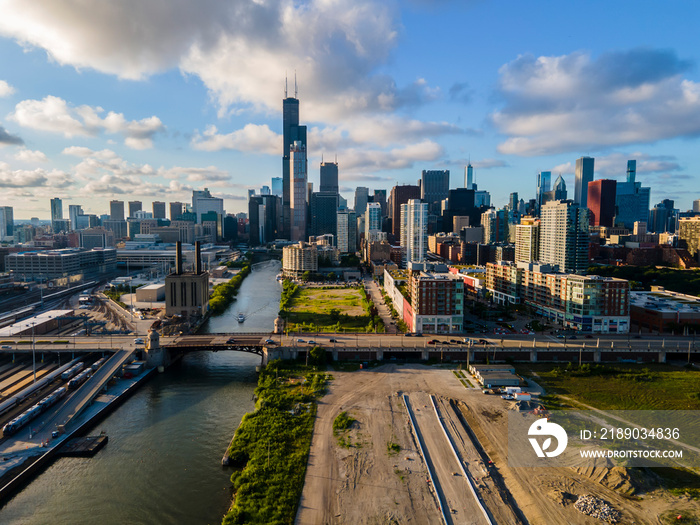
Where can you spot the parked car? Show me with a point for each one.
(300, 341)
(269, 342)
(138, 341)
(230, 341)
(311, 342)
(408, 334)
(332, 340)
(432, 341)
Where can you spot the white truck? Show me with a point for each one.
(512, 389)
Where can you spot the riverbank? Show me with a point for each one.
(271, 446)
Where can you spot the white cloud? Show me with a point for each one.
(239, 49)
(53, 114)
(5, 89)
(252, 138)
(574, 102)
(29, 156)
(614, 165)
(360, 161)
(13, 179)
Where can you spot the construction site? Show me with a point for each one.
(426, 445)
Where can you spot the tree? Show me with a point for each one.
(306, 276)
(317, 356)
(334, 314)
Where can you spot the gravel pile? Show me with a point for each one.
(597, 508)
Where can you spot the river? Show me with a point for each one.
(162, 464)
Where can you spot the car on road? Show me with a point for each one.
(311, 342)
(589, 336)
(138, 341)
(454, 341)
(269, 342)
(6, 347)
(300, 341)
(573, 337)
(433, 341)
(332, 340)
(408, 334)
(230, 341)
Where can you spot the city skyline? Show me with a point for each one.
(89, 116)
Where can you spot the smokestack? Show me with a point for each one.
(178, 258)
(198, 257)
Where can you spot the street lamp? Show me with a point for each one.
(33, 353)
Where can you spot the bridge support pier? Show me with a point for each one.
(156, 356)
(380, 354)
(425, 355)
(597, 356)
(662, 356)
(533, 355)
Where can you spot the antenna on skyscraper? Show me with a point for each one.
(285, 84)
(336, 158)
(321, 158)
(295, 83)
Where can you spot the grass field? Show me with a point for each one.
(311, 310)
(621, 387)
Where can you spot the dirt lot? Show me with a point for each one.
(354, 478)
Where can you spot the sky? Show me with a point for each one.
(147, 100)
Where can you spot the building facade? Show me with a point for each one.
(583, 176)
(299, 258)
(564, 236)
(414, 231)
(587, 303)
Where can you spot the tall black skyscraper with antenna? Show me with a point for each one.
(291, 132)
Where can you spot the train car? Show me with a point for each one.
(72, 371)
(33, 411)
(79, 379)
(97, 364)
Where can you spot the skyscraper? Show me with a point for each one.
(56, 209)
(469, 177)
(134, 206)
(544, 179)
(176, 209)
(329, 177)
(400, 195)
(116, 210)
(435, 184)
(361, 199)
(276, 186)
(347, 230)
(559, 189)
(696, 205)
(297, 204)
(74, 211)
(495, 223)
(631, 200)
(324, 210)
(564, 236)
(414, 231)
(7, 223)
(292, 133)
(158, 210)
(601, 202)
(527, 240)
(380, 198)
(373, 221)
(584, 175)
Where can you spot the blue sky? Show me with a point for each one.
(123, 100)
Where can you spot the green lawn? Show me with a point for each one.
(621, 386)
(312, 309)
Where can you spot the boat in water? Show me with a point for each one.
(241, 318)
